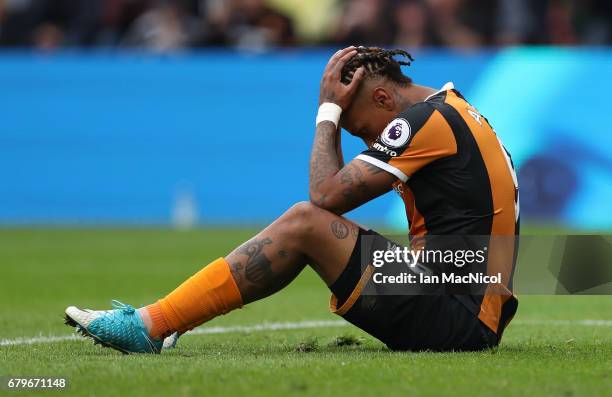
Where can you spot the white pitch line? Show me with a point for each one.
(199, 331)
(37, 339)
(585, 323)
(312, 324)
(269, 327)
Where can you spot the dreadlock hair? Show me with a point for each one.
(378, 62)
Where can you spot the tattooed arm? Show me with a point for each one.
(333, 186)
(324, 161)
(327, 151)
(340, 191)
(337, 189)
(339, 149)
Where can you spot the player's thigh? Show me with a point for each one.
(325, 238)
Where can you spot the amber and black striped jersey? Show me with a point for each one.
(455, 178)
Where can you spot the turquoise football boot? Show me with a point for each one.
(121, 328)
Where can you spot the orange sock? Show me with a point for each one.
(207, 294)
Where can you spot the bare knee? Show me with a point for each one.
(304, 211)
(301, 218)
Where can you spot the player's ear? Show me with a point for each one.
(383, 99)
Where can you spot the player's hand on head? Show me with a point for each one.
(332, 88)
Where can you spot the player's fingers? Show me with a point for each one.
(337, 70)
(357, 78)
(342, 52)
(337, 56)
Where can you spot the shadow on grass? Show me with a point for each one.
(343, 344)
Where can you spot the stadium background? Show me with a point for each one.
(201, 112)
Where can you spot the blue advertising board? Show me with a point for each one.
(223, 138)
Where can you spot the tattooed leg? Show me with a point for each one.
(305, 234)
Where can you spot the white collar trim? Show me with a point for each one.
(447, 86)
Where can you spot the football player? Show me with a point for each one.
(435, 149)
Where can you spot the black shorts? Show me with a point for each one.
(438, 322)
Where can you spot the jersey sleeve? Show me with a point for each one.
(417, 137)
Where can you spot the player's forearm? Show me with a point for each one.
(324, 161)
(339, 149)
(355, 184)
(334, 96)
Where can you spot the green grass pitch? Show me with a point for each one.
(547, 350)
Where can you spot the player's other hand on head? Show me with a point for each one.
(332, 88)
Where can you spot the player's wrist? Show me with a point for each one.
(329, 112)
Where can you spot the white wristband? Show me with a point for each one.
(329, 112)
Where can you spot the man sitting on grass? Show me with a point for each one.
(433, 148)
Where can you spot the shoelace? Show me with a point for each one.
(130, 310)
(125, 308)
